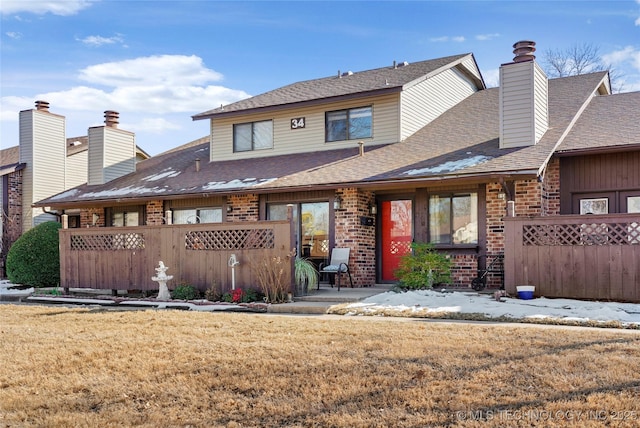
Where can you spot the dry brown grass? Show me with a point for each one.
(74, 367)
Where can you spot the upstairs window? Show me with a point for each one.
(253, 136)
(350, 124)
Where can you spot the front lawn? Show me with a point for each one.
(157, 368)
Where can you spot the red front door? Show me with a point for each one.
(396, 235)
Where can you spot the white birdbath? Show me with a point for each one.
(161, 278)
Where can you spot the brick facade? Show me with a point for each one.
(14, 214)
(155, 213)
(361, 239)
(551, 188)
(243, 208)
(86, 217)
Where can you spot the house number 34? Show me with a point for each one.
(297, 123)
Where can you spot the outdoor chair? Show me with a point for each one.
(339, 264)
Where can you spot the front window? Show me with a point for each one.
(197, 215)
(311, 221)
(253, 136)
(350, 124)
(126, 216)
(453, 219)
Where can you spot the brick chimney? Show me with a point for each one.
(43, 150)
(524, 102)
(112, 151)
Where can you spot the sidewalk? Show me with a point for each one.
(318, 301)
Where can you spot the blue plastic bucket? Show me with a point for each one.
(525, 292)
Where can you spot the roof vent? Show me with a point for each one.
(403, 63)
(42, 105)
(523, 51)
(347, 73)
(111, 118)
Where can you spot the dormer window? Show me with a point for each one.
(350, 124)
(253, 136)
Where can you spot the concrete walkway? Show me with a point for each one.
(318, 301)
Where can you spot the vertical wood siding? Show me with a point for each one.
(312, 137)
(567, 261)
(428, 99)
(613, 172)
(89, 258)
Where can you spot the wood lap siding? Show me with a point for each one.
(125, 258)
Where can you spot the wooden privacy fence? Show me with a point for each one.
(584, 257)
(125, 258)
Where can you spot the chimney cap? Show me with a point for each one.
(111, 118)
(523, 51)
(42, 105)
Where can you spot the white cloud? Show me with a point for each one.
(99, 40)
(41, 7)
(157, 125)
(169, 70)
(447, 39)
(14, 35)
(627, 55)
(491, 77)
(486, 37)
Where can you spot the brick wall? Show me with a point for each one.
(551, 188)
(14, 214)
(86, 217)
(244, 208)
(361, 239)
(528, 200)
(155, 213)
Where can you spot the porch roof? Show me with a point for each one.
(462, 144)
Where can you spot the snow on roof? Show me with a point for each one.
(165, 173)
(450, 166)
(236, 184)
(125, 191)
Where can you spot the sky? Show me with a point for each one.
(159, 62)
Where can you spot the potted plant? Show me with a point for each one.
(306, 275)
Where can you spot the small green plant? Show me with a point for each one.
(240, 295)
(422, 268)
(306, 275)
(185, 291)
(34, 259)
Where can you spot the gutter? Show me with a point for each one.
(384, 184)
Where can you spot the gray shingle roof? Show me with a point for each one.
(608, 121)
(462, 142)
(376, 80)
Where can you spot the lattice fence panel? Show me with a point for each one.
(230, 239)
(108, 242)
(400, 247)
(581, 234)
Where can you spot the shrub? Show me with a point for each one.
(34, 259)
(423, 267)
(185, 292)
(270, 273)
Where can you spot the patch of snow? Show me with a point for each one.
(167, 173)
(236, 184)
(125, 191)
(66, 194)
(431, 301)
(450, 166)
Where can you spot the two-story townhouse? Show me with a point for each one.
(370, 160)
(45, 163)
